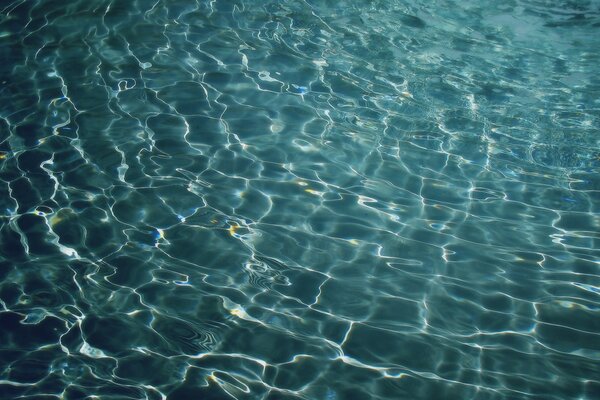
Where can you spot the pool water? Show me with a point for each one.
(237, 199)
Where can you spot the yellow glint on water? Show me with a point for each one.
(238, 312)
(233, 229)
(60, 216)
(55, 219)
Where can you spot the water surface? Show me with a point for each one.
(299, 199)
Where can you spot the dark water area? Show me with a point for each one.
(299, 199)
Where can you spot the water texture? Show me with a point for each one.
(236, 199)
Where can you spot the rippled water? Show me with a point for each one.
(299, 199)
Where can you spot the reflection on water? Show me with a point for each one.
(299, 200)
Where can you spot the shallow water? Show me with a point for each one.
(299, 199)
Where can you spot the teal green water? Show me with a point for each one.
(299, 199)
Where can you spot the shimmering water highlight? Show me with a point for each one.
(299, 199)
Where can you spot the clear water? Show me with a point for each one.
(299, 199)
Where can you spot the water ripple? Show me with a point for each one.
(299, 200)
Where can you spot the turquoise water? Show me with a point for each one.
(299, 199)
